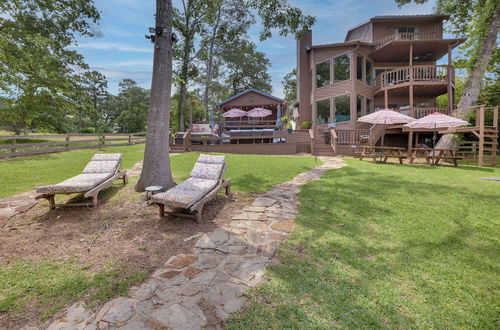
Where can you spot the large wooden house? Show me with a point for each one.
(386, 62)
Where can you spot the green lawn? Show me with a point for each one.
(249, 173)
(387, 246)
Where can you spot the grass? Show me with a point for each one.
(54, 284)
(387, 246)
(249, 173)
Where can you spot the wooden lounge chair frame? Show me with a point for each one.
(195, 210)
(92, 193)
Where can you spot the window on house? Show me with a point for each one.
(406, 29)
(407, 33)
(342, 68)
(359, 67)
(323, 111)
(343, 108)
(369, 72)
(360, 106)
(323, 74)
(369, 106)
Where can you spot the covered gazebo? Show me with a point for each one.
(251, 99)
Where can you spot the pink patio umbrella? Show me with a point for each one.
(386, 117)
(436, 121)
(234, 113)
(259, 113)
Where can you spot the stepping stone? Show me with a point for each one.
(244, 268)
(169, 295)
(116, 311)
(144, 291)
(180, 261)
(212, 239)
(283, 225)
(75, 316)
(247, 216)
(256, 209)
(209, 259)
(204, 278)
(263, 201)
(234, 246)
(178, 317)
(225, 294)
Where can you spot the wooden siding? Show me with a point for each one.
(332, 90)
(304, 84)
(258, 149)
(381, 30)
(249, 99)
(322, 54)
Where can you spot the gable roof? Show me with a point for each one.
(248, 91)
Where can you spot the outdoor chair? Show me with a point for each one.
(207, 178)
(99, 174)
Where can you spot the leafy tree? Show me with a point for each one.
(478, 20)
(156, 168)
(247, 68)
(95, 85)
(132, 104)
(39, 75)
(289, 83)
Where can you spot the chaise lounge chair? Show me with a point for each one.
(207, 178)
(99, 174)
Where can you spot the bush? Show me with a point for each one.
(284, 120)
(306, 125)
(88, 130)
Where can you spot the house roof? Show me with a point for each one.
(427, 17)
(343, 44)
(248, 91)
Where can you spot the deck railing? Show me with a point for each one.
(237, 124)
(419, 112)
(406, 36)
(438, 73)
(351, 136)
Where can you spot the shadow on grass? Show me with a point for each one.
(380, 250)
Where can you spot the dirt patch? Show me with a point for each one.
(121, 230)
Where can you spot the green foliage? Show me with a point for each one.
(289, 83)
(132, 104)
(306, 124)
(39, 75)
(386, 246)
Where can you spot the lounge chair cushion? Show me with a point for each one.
(207, 171)
(185, 194)
(107, 157)
(101, 166)
(211, 159)
(79, 183)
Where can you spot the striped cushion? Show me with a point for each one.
(79, 183)
(185, 194)
(107, 157)
(101, 166)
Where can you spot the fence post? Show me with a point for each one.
(130, 139)
(67, 139)
(474, 145)
(102, 141)
(13, 149)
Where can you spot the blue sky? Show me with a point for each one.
(119, 49)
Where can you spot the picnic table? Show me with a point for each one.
(383, 152)
(433, 156)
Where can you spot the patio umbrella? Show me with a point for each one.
(436, 121)
(234, 113)
(259, 113)
(386, 117)
(278, 117)
(212, 120)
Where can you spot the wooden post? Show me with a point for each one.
(410, 141)
(130, 139)
(13, 149)
(386, 99)
(411, 102)
(481, 136)
(102, 139)
(416, 139)
(67, 139)
(449, 87)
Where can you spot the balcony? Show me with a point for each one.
(431, 79)
(406, 36)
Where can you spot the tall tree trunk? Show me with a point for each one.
(208, 78)
(472, 88)
(184, 76)
(156, 167)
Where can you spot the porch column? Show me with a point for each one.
(410, 140)
(386, 99)
(450, 81)
(411, 78)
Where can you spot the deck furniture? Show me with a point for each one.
(449, 154)
(422, 152)
(99, 174)
(383, 153)
(207, 178)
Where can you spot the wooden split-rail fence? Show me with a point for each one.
(25, 145)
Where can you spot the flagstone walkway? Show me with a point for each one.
(201, 288)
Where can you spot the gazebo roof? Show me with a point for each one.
(249, 91)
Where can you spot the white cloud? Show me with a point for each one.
(133, 63)
(115, 47)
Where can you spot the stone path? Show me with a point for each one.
(199, 289)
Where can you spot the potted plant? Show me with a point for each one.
(289, 128)
(306, 125)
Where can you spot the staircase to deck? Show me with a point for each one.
(321, 141)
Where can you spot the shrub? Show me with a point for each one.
(284, 120)
(306, 124)
(88, 130)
